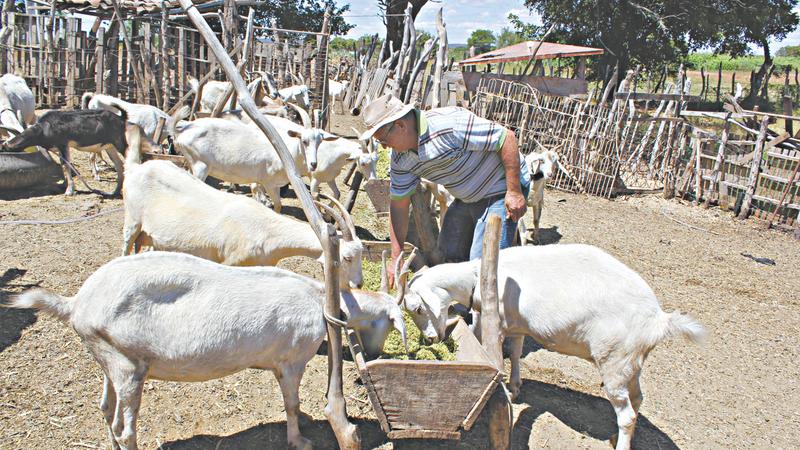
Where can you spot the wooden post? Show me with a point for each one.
(346, 432)
(716, 176)
(72, 24)
(719, 80)
(223, 100)
(129, 48)
(181, 63)
(788, 109)
(698, 172)
(755, 170)
(100, 59)
(321, 69)
(499, 407)
(426, 226)
(350, 201)
(441, 60)
(165, 84)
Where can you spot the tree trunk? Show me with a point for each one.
(394, 21)
(760, 77)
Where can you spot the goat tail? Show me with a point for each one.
(133, 156)
(86, 98)
(44, 300)
(673, 324)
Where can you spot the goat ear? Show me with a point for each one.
(329, 137)
(293, 134)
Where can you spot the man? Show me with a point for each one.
(475, 159)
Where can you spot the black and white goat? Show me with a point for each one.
(86, 130)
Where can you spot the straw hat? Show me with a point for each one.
(383, 110)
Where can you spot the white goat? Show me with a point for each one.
(572, 299)
(214, 90)
(226, 228)
(240, 153)
(540, 167)
(337, 89)
(17, 105)
(333, 155)
(170, 316)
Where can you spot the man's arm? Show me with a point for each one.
(398, 229)
(515, 201)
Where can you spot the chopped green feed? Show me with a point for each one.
(382, 166)
(417, 350)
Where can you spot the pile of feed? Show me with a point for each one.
(393, 346)
(417, 350)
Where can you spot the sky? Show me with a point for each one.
(462, 17)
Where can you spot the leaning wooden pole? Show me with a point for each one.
(335, 411)
(499, 407)
(755, 170)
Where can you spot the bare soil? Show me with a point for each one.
(738, 390)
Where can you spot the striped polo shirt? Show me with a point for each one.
(458, 150)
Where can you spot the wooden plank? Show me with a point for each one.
(715, 115)
(645, 96)
(424, 434)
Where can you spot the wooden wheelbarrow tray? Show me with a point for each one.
(429, 399)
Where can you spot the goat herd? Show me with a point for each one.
(189, 311)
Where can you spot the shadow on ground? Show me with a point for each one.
(13, 321)
(587, 414)
(273, 436)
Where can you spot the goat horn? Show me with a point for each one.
(338, 218)
(401, 275)
(345, 214)
(384, 276)
(303, 114)
(10, 130)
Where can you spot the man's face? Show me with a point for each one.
(400, 135)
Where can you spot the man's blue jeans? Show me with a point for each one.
(461, 237)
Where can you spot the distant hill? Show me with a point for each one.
(457, 45)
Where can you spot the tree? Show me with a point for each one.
(393, 11)
(647, 32)
(508, 37)
(302, 15)
(482, 40)
(754, 23)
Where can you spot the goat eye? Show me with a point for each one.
(418, 310)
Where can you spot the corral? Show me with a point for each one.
(735, 277)
(723, 394)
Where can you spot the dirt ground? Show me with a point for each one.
(738, 390)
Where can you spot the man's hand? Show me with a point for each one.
(390, 270)
(515, 205)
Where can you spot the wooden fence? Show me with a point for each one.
(61, 61)
(620, 149)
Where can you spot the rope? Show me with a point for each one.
(60, 222)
